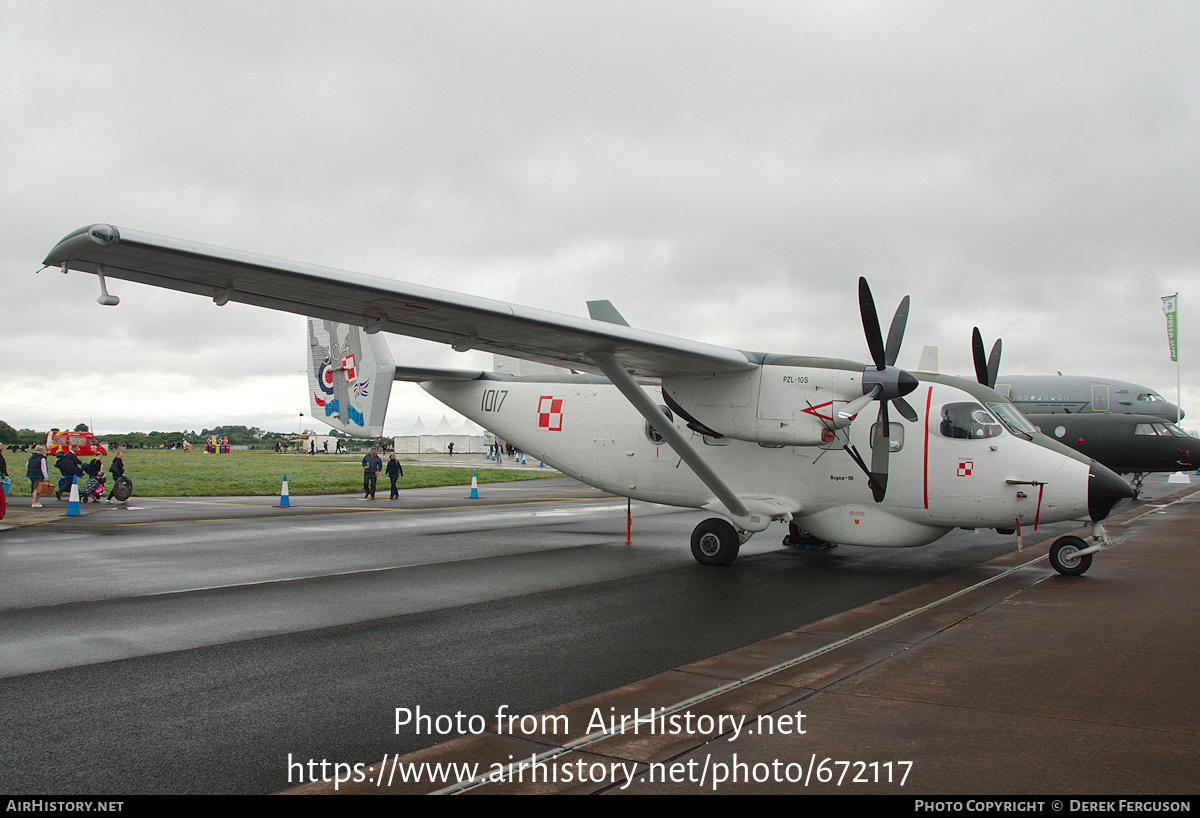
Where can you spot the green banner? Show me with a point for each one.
(1170, 304)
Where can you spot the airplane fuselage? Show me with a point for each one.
(1076, 394)
(955, 466)
(1125, 443)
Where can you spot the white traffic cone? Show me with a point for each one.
(73, 503)
(284, 500)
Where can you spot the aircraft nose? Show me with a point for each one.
(1105, 490)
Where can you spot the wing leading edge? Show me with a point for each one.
(379, 304)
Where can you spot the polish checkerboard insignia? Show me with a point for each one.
(550, 413)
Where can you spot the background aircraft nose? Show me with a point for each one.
(1105, 490)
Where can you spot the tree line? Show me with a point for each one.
(238, 436)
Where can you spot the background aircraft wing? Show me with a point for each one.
(380, 304)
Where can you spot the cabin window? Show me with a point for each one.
(968, 421)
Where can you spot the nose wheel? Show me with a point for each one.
(1066, 559)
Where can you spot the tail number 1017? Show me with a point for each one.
(492, 399)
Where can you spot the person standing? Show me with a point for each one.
(3, 476)
(35, 470)
(394, 472)
(371, 467)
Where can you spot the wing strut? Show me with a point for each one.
(654, 416)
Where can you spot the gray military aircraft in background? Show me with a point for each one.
(1125, 426)
(1080, 394)
(1061, 394)
(1127, 444)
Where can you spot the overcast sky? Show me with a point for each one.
(720, 171)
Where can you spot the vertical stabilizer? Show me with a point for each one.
(349, 381)
(929, 360)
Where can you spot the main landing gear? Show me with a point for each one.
(797, 537)
(716, 542)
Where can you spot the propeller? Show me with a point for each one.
(985, 370)
(885, 383)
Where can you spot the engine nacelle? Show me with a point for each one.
(775, 404)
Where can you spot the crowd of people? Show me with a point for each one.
(90, 476)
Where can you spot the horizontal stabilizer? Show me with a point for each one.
(419, 374)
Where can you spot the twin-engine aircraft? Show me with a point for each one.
(752, 437)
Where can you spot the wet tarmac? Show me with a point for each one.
(1002, 679)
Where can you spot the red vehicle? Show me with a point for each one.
(83, 444)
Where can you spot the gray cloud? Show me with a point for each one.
(720, 171)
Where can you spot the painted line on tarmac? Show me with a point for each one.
(316, 511)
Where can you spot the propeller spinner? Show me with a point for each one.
(885, 383)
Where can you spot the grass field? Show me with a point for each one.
(166, 473)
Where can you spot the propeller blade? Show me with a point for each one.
(981, 367)
(985, 370)
(848, 412)
(994, 364)
(903, 407)
(896, 333)
(880, 450)
(870, 319)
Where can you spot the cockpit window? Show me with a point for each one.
(1148, 396)
(968, 421)
(1160, 428)
(1012, 418)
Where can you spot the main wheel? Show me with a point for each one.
(799, 538)
(1065, 557)
(715, 542)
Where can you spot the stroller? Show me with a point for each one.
(91, 489)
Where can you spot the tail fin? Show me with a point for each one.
(348, 382)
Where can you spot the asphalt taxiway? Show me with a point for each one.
(227, 645)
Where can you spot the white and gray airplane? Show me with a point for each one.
(1052, 394)
(752, 437)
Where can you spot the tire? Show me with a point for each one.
(799, 538)
(1064, 557)
(715, 542)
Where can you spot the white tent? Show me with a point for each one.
(421, 440)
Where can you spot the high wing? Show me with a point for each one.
(379, 304)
